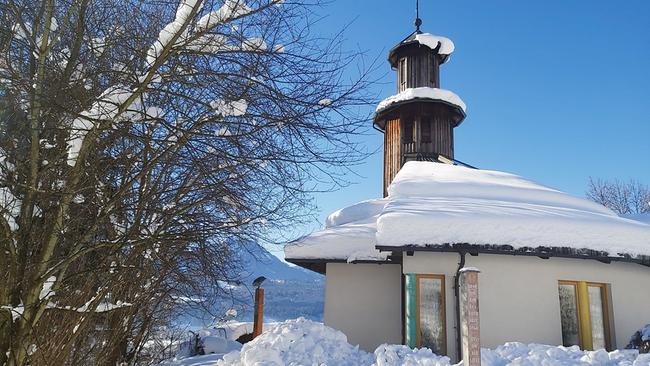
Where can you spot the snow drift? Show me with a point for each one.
(304, 342)
(298, 342)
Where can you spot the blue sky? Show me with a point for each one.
(557, 91)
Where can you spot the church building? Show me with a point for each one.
(555, 269)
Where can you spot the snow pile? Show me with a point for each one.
(234, 329)
(422, 93)
(303, 342)
(645, 333)
(515, 354)
(400, 355)
(298, 342)
(432, 41)
(218, 345)
(437, 204)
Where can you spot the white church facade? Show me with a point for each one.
(555, 269)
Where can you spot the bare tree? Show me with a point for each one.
(621, 197)
(141, 142)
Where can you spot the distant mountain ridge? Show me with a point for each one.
(258, 261)
(290, 292)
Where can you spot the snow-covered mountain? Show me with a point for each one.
(290, 291)
(258, 261)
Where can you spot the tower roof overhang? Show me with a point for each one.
(440, 45)
(393, 109)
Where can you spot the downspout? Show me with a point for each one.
(461, 264)
(403, 302)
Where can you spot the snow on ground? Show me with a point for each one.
(298, 342)
(436, 204)
(205, 360)
(304, 342)
(645, 333)
(394, 354)
(422, 93)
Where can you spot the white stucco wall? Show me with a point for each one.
(364, 302)
(518, 296)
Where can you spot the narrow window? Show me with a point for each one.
(432, 70)
(425, 129)
(402, 71)
(569, 314)
(425, 323)
(407, 131)
(584, 315)
(598, 316)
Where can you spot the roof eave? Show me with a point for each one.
(392, 60)
(378, 118)
(541, 252)
(319, 264)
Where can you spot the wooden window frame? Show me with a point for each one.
(444, 308)
(402, 71)
(605, 300)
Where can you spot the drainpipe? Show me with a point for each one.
(461, 264)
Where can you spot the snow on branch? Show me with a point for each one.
(183, 14)
(231, 9)
(106, 107)
(101, 307)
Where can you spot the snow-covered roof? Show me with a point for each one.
(434, 204)
(432, 41)
(642, 217)
(426, 93)
(349, 235)
(444, 45)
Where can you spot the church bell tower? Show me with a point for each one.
(418, 122)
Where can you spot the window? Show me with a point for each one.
(585, 314)
(433, 78)
(408, 128)
(425, 312)
(425, 129)
(402, 71)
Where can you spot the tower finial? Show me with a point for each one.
(418, 21)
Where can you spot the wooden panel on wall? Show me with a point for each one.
(392, 155)
(417, 67)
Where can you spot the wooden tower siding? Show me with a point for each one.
(392, 154)
(418, 67)
(398, 150)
